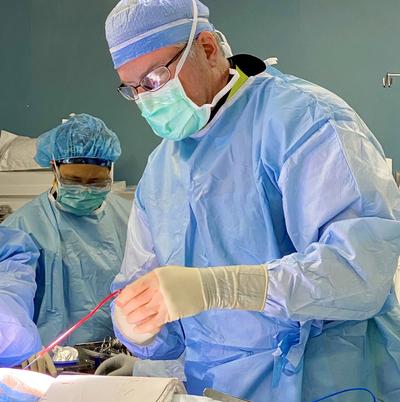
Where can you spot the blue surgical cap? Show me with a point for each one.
(81, 136)
(137, 27)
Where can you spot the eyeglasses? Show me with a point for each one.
(101, 184)
(151, 82)
(98, 184)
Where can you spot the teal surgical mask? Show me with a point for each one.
(169, 111)
(80, 200)
(172, 114)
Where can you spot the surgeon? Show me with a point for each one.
(79, 227)
(19, 337)
(265, 232)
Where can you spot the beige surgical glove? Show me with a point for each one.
(189, 291)
(43, 365)
(170, 293)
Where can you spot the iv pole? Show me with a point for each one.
(388, 79)
(387, 83)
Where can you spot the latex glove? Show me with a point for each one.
(170, 293)
(128, 330)
(23, 385)
(43, 365)
(121, 364)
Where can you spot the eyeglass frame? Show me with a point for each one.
(103, 184)
(100, 185)
(135, 88)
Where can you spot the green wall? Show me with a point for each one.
(54, 60)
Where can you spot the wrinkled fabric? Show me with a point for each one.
(79, 257)
(286, 173)
(160, 368)
(138, 27)
(81, 136)
(19, 337)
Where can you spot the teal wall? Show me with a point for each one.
(54, 60)
(15, 64)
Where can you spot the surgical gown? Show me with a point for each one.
(287, 174)
(79, 258)
(19, 337)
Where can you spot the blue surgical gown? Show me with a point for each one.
(286, 174)
(19, 337)
(79, 258)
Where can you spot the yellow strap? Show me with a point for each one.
(238, 84)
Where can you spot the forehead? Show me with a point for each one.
(134, 70)
(80, 171)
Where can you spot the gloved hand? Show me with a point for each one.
(43, 365)
(170, 293)
(23, 385)
(121, 364)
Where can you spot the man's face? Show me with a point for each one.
(196, 74)
(85, 174)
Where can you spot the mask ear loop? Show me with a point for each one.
(57, 173)
(190, 41)
(56, 181)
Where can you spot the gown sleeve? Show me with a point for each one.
(19, 337)
(342, 211)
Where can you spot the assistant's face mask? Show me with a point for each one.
(169, 111)
(80, 200)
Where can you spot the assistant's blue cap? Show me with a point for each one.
(81, 136)
(137, 27)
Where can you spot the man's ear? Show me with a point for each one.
(208, 44)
